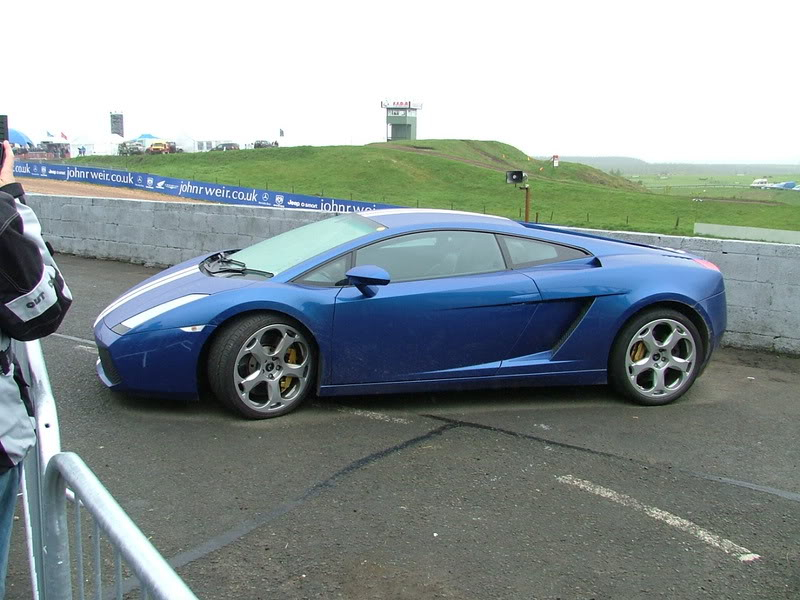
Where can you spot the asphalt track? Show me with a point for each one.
(545, 493)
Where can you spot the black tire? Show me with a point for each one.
(262, 365)
(656, 357)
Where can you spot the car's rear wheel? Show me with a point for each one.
(262, 365)
(656, 357)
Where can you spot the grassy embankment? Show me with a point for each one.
(463, 175)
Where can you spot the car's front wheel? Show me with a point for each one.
(656, 357)
(262, 365)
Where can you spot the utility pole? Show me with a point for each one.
(520, 177)
(527, 203)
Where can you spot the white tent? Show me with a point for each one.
(103, 143)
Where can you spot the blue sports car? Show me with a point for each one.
(409, 300)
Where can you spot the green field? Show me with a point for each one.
(470, 175)
(735, 187)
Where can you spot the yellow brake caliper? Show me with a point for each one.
(638, 351)
(291, 358)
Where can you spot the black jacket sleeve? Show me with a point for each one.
(33, 295)
(21, 266)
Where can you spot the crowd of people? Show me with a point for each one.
(43, 150)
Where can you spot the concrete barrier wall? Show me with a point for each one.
(759, 234)
(762, 279)
(157, 233)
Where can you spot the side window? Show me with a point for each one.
(525, 252)
(328, 275)
(434, 254)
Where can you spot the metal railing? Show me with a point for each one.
(51, 478)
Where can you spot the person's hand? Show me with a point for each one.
(7, 169)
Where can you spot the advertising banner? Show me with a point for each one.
(198, 190)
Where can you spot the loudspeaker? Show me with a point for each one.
(516, 176)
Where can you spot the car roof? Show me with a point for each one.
(401, 217)
(599, 245)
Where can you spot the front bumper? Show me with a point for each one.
(163, 363)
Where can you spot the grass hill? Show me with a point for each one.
(457, 174)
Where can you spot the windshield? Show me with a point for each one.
(293, 247)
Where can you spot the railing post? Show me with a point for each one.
(48, 443)
(57, 576)
(32, 509)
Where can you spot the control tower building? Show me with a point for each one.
(401, 119)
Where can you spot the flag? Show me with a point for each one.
(49, 134)
(63, 135)
(281, 133)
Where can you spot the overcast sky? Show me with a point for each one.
(676, 81)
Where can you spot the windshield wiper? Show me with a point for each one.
(220, 263)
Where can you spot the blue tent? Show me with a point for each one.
(17, 137)
(147, 136)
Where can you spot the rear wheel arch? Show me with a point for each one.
(643, 364)
(697, 319)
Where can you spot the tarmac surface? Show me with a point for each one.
(539, 493)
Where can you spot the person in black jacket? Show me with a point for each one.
(33, 302)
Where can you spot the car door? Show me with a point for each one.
(451, 310)
(569, 280)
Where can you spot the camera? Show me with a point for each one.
(3, 135)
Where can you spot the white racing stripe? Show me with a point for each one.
(727, 546)
(146, 288)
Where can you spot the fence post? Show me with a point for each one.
(57, 576)
(34, 520)
(48, 444)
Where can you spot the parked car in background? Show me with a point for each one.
(130, 148)
(158, 148)
(410, 300)
(225, 147)
(262, 144)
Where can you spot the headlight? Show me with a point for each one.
(152, 313)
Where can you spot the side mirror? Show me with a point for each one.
(367, 276)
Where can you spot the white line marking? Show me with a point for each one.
(91, 349)
(727, 546)
(72, 338)
(376, 416)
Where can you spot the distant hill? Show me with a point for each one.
(634, 166)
